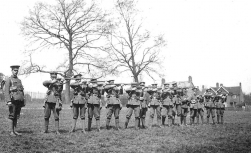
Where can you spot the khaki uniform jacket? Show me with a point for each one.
(155, 97)
(80, 93)
(166, 98)
(95, 94)
(13, 89)
(134, 96)
(185, 100)
(113, 94)
(54, 91)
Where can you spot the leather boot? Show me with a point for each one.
(143, 120)
(126, 123)
(202, 120)
(150, 122)
(191, 121)
(12, 133)
(163, 120)
(218, 119)
(89, 124)
(222, 120)
(139, 122)
(73, 125)
(98, 125)
(213, 118)
(185, 120)
(117, 124)
(170, 122)
(15, 125)
(57, 127)
(198, 120)
(181, 120)
(173, 121)
(83, 126)
(136, 123)
(108, 123)
(46, 124)
(159, 122)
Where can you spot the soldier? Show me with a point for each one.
(113, 104)
(220, 107)
(200, 111)
(168, 104)
(14, 96)
(94, 104)
(185, 101)
(176, 92)
(155, 105)
(144, 104)
(79, 101)
(193, 106)
(210, 105)
(135, 94)
(52, 101)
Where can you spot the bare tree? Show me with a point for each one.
(74, 26)
(131, 47)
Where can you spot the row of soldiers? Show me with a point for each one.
(169, 102)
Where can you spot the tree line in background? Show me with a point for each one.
(97, 42)
(247, 99)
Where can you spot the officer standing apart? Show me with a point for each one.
(113, 104)
(53, 101)
(135, 94)
(94, 104)
(14, 96)
(167, 100)
(79, 101)
(155, 105)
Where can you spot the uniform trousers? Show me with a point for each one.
(167, 111)
(131, 109)
(113, 109)
(93, 110)
(157, 109)
(51, 107)
(15, 109)
(78, 110)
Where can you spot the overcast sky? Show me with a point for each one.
(209, 40)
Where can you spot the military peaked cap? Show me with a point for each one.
(110, 81)
(142, 83)
(14, 67)
(53, 73)
(134, 84)
(93, 80)
(77, 75)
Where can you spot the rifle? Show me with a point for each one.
(119, 84)
(77, 78)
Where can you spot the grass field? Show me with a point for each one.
(233, 136)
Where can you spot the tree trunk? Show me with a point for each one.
(136, 79)
(67, 92)
(69, 73)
